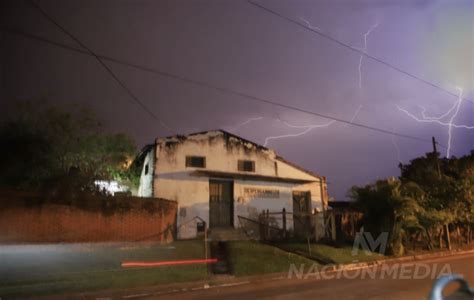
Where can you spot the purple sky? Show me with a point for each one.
(235, 45)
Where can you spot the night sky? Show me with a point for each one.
(238, 46)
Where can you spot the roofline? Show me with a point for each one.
(143, 152)
(298, 167)
(248, 176)
(277, 157)
(218, 130)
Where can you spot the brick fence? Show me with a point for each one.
(29, 218)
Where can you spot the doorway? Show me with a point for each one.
(301, 213)
(221, 203)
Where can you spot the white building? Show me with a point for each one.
(218, 176)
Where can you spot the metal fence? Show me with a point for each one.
(283, 225)
(257, 230)
(277, 226)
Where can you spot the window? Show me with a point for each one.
(146, 169)
(246, 165)
(196, 161)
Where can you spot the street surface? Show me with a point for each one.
(367, 288)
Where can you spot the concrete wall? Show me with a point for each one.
(174, 181)
(26, 221)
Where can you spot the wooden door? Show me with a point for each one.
(221, 203)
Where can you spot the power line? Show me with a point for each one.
(89, 51)
(213, 87)
(345, 45)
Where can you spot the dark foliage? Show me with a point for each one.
(63, 153)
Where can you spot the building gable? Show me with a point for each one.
(225, 152)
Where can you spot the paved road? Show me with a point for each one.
(343, 288)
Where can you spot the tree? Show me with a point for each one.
(50, 149)
(462, 170)
(424, 201)
(387, 206)
(24, 156)
(447, 200)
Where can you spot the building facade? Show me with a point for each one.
(216, 177)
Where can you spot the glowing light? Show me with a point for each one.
(110, 187)
(168, 263)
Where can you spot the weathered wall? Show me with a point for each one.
(24, 222)
(146, 178)
(173, 180)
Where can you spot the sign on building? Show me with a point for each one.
(261, 193)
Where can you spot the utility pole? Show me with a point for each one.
(435, 154)
(446, 226)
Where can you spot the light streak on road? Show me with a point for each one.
(129, 264)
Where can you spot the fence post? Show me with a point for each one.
(352, 225)
(267, 222)
(316, 224)
(205, 247)
(262, 225)
(448, 239)
(333, 226)
(284, 223)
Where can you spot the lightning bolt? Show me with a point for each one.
(364, 50)
(308, 24)
(307, 129)
(451, 120)
(423, 113)
(433, 120)
(397, 148)
(238, 126)
(355, 114)
(452, 113)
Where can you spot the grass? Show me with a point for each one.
(39, 270)
(341, 255)
(252, 258)
(35, 270)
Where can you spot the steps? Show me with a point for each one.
(219, 250)
(227, 234)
